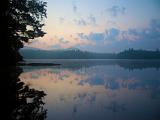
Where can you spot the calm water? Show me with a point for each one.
(98, 89)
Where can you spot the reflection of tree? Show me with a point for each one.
(139, 64)
(84, 64)
(155, 93)
(23, 103)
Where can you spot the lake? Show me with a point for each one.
(98, 89)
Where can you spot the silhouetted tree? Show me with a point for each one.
(22, 20)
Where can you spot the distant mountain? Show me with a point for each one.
(73, 53)
(30, 48)
(62, 54)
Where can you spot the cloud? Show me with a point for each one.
(80, 22)
(109, 40)
(115, 34)
(71, 42)
(56, 46)
(107, 35)
(152, 32)
(116, 10)
(62, 40)
(92, 19)
(61, 20)
(115, 39)
(93, 36)
(37, 43)
(74, 5)
(96, 36)
(154, 29)
(82, 36)
(111, 22)
(68, 42)
(112, 34)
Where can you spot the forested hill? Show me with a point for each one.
(78, 54)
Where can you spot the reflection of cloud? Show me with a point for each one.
(111, 84)
(74, 109)
(99, 77)
(87, 98)
(57, 76)
(65, 99)
(116, 107)
(62, 98)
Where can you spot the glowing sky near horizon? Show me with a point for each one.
(101, 25)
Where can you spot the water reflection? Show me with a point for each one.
(22, 102)
(98, 92)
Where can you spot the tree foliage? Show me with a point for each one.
(23, 20)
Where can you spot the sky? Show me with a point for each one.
(101, 25)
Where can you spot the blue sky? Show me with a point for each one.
(101, 25)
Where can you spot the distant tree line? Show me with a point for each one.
(139, 54)
(78, 54)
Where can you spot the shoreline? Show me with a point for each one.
(38, 64)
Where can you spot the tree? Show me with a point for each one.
(22, 21)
